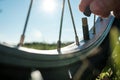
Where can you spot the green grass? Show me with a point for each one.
(114, 59)
(115, 62)
(44, 46)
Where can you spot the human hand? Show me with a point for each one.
(101, 7)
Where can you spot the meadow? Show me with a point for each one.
(45, 46)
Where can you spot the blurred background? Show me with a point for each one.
(44, 21)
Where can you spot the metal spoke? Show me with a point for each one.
(70, 75)
(25, 26)
(61, 24)
(76, 37)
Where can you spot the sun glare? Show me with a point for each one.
(49, 5)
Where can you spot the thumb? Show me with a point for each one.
(84, 4)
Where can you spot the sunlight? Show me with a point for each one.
(49, 6)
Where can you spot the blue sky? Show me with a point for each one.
(44, 22)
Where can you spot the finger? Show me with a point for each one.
(100, 7)
(84, 4)
(116, 12)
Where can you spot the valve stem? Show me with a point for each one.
(85, 29)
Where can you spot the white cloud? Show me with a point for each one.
(34, 35)
(37, 34)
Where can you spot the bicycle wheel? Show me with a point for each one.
(70, 62)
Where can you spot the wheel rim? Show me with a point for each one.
(45, 60)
